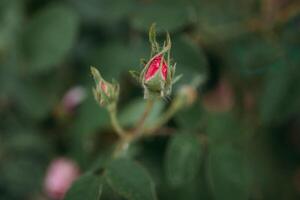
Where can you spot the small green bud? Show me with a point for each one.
(105, 93)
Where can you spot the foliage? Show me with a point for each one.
(238, 140)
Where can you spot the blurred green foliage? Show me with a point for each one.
(248, 151)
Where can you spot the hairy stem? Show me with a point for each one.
(166, 116)
(140, 124)
(115, 122)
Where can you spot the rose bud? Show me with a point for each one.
(157, 75)
(73, 98)
(60, 175)
(188, 94)
(105, 93)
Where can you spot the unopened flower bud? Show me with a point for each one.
(61, 173)
(157, 75)
(105, 93)
(73, 98)
(188, 94)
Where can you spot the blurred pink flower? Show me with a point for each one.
(61, 173)
(73, 98)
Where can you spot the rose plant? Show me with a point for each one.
(156, 78)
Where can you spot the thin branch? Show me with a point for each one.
(140, 124)
(115, 122)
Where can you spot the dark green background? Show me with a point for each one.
(47, 46)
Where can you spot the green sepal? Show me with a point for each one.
(135, 75)
(96, 75)
(152, 39)
(176, 79)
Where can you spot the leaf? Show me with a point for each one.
(228, 173)
(253, 55)
(223, 127)
(190, 118)
(88, 187)
(228, 19)
(37, 97)
(190, 58)
(279, 100)
(130, 180)
(15, 181)
(49, 37)
(10, 21)
(27, 142)
(132, 112)
(160, 12)
(276, 80)
(90, 116)
(105, 12)
(183, 159)
(114, 57)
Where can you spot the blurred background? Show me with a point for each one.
(248, 51)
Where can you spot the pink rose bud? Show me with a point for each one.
(188, 94)
(105, 93)
(73, 98)
(60, 175)
(157, 75)
(157, 65)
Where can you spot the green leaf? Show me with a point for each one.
(168, 15)
(132, 112)
(273, 94)
(113, 57)
(15, 181)
(29, 94)
(228, 173)
(253, 55)
(228, 19)
(49, 37)
(27, 142)
(88, 187)
(183, 159)
(190, 59)
(106, 12)
(279, 100)
(190, 118)
(130, 180)
(223, 127)
(10, 21)
(90, 116)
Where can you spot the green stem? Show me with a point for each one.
(140, 124)
(114, 121)
(165, 117)
(130, 136)
(122, 146)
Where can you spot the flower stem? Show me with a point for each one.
(139, 125)
(114, 121)
(165, 117)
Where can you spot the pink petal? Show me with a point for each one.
(154, 68)
(73, 98)
(60, 175)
